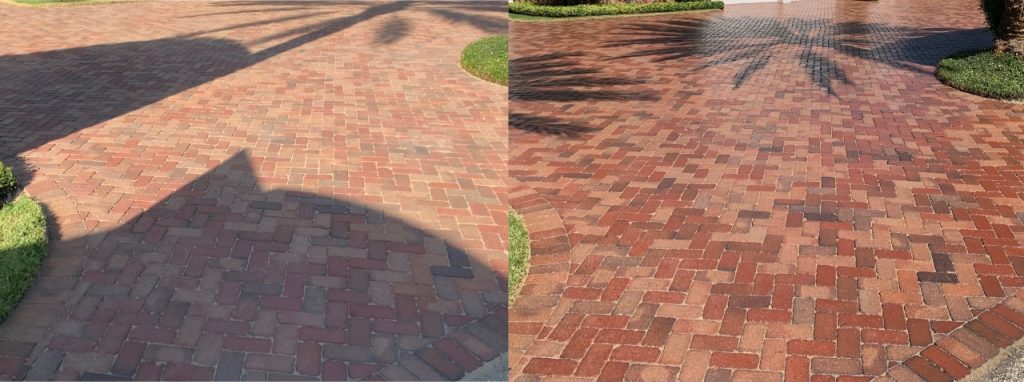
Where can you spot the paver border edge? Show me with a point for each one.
(967, 348)
(548, 275)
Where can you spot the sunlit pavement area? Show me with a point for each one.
(763, 193)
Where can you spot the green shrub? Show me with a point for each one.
(610, 8)
(22, 247)
(993, 13)
(984, 73)
(7, 183)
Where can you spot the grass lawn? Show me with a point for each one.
(518, 254)
(22, 246)
(487, 58)
(518, 10)
(985, 74)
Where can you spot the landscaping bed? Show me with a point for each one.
(984, 73)
(607, 9)
(22, 242)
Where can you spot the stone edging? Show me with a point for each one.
(967, 347)
(529, 317)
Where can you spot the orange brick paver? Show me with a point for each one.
(770, 192)
(257, 189)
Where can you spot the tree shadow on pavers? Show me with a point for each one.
(753, 42)
(48, 95)
(496, 23)
(247, 11)
(560, 77)
(547, 125)
(487, 16)
(225, 279)
(392, 31)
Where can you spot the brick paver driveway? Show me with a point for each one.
(769, 192)
(252, 189)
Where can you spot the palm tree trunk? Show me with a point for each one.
(1010, 38)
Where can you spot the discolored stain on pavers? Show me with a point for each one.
(794, 191)
(257, 190)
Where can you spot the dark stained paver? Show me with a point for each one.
(773, 192)
(257, 190)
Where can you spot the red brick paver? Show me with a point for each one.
(257, 189)
(773, 192)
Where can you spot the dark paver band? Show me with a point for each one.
(773, 192)
(257, 190)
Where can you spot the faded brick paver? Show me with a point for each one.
(772, 192)
(257, 190)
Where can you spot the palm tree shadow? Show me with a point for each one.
(560, 77)
(753, 42)
(393, 30)
(496, 23)
(547, 125)
(48, 95)
(273, 251)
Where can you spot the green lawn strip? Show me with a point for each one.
(585, 10)
(518, 254)
(22, 247)
(487, 58)
(984, 73)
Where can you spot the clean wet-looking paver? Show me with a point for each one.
(257, 189)
(764, 193)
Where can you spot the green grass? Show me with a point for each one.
(984, 73)
(586, 10)
(487, 58)
(518, 254)
(22, 246)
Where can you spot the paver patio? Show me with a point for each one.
(257, 189)
(770, 192)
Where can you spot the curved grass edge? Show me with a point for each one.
(23, 243)
(487, 59)
(984, 73)
(518, 254)
(534, 11)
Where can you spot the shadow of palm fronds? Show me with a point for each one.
(547, 125)
(560, 77)
(754, 42)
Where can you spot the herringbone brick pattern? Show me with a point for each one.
(773, 192)
(257, 189)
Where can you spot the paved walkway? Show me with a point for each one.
(770, 192)
(257, 189)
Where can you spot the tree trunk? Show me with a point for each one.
(1010, 38)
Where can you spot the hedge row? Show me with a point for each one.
(610, 8)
